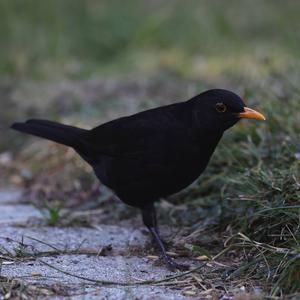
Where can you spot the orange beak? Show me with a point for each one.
(251, 114)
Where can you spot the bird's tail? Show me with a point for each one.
(59, 133)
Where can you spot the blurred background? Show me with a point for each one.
(80, 39)
(84, 62)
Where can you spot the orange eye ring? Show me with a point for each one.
(221, 107)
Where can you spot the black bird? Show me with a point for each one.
(154, 153)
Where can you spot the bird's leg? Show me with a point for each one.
(150, 221)
(152, 211)
(154, 218)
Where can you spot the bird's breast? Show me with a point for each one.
(159, 170)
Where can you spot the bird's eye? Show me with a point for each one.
(221, 107)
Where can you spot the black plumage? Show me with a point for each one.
(154, 153)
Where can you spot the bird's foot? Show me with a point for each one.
(173, 266)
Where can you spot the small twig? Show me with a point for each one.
(221, 253)
(105, 282)
(199, 281)
(175, 282)
(278, 208)
(44, 243)
(79, 246)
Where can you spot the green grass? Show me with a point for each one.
(253, 186)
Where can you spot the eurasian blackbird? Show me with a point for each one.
(154, 153)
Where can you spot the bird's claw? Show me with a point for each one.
(173, 266)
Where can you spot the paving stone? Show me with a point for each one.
(17, 213)
(71, 238)
(11, 211)
(118, 268)
(118, 265)
(137, 293)
(10, 196)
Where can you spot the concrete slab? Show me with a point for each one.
(10, 196)
(118, 268)
(71, 238)
(17, 213)
(73, 250)
(118, 293)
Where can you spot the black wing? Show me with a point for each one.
(142, 151)
(128, 137)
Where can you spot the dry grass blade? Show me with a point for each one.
(145, 282)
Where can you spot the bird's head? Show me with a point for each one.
(220, 109)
